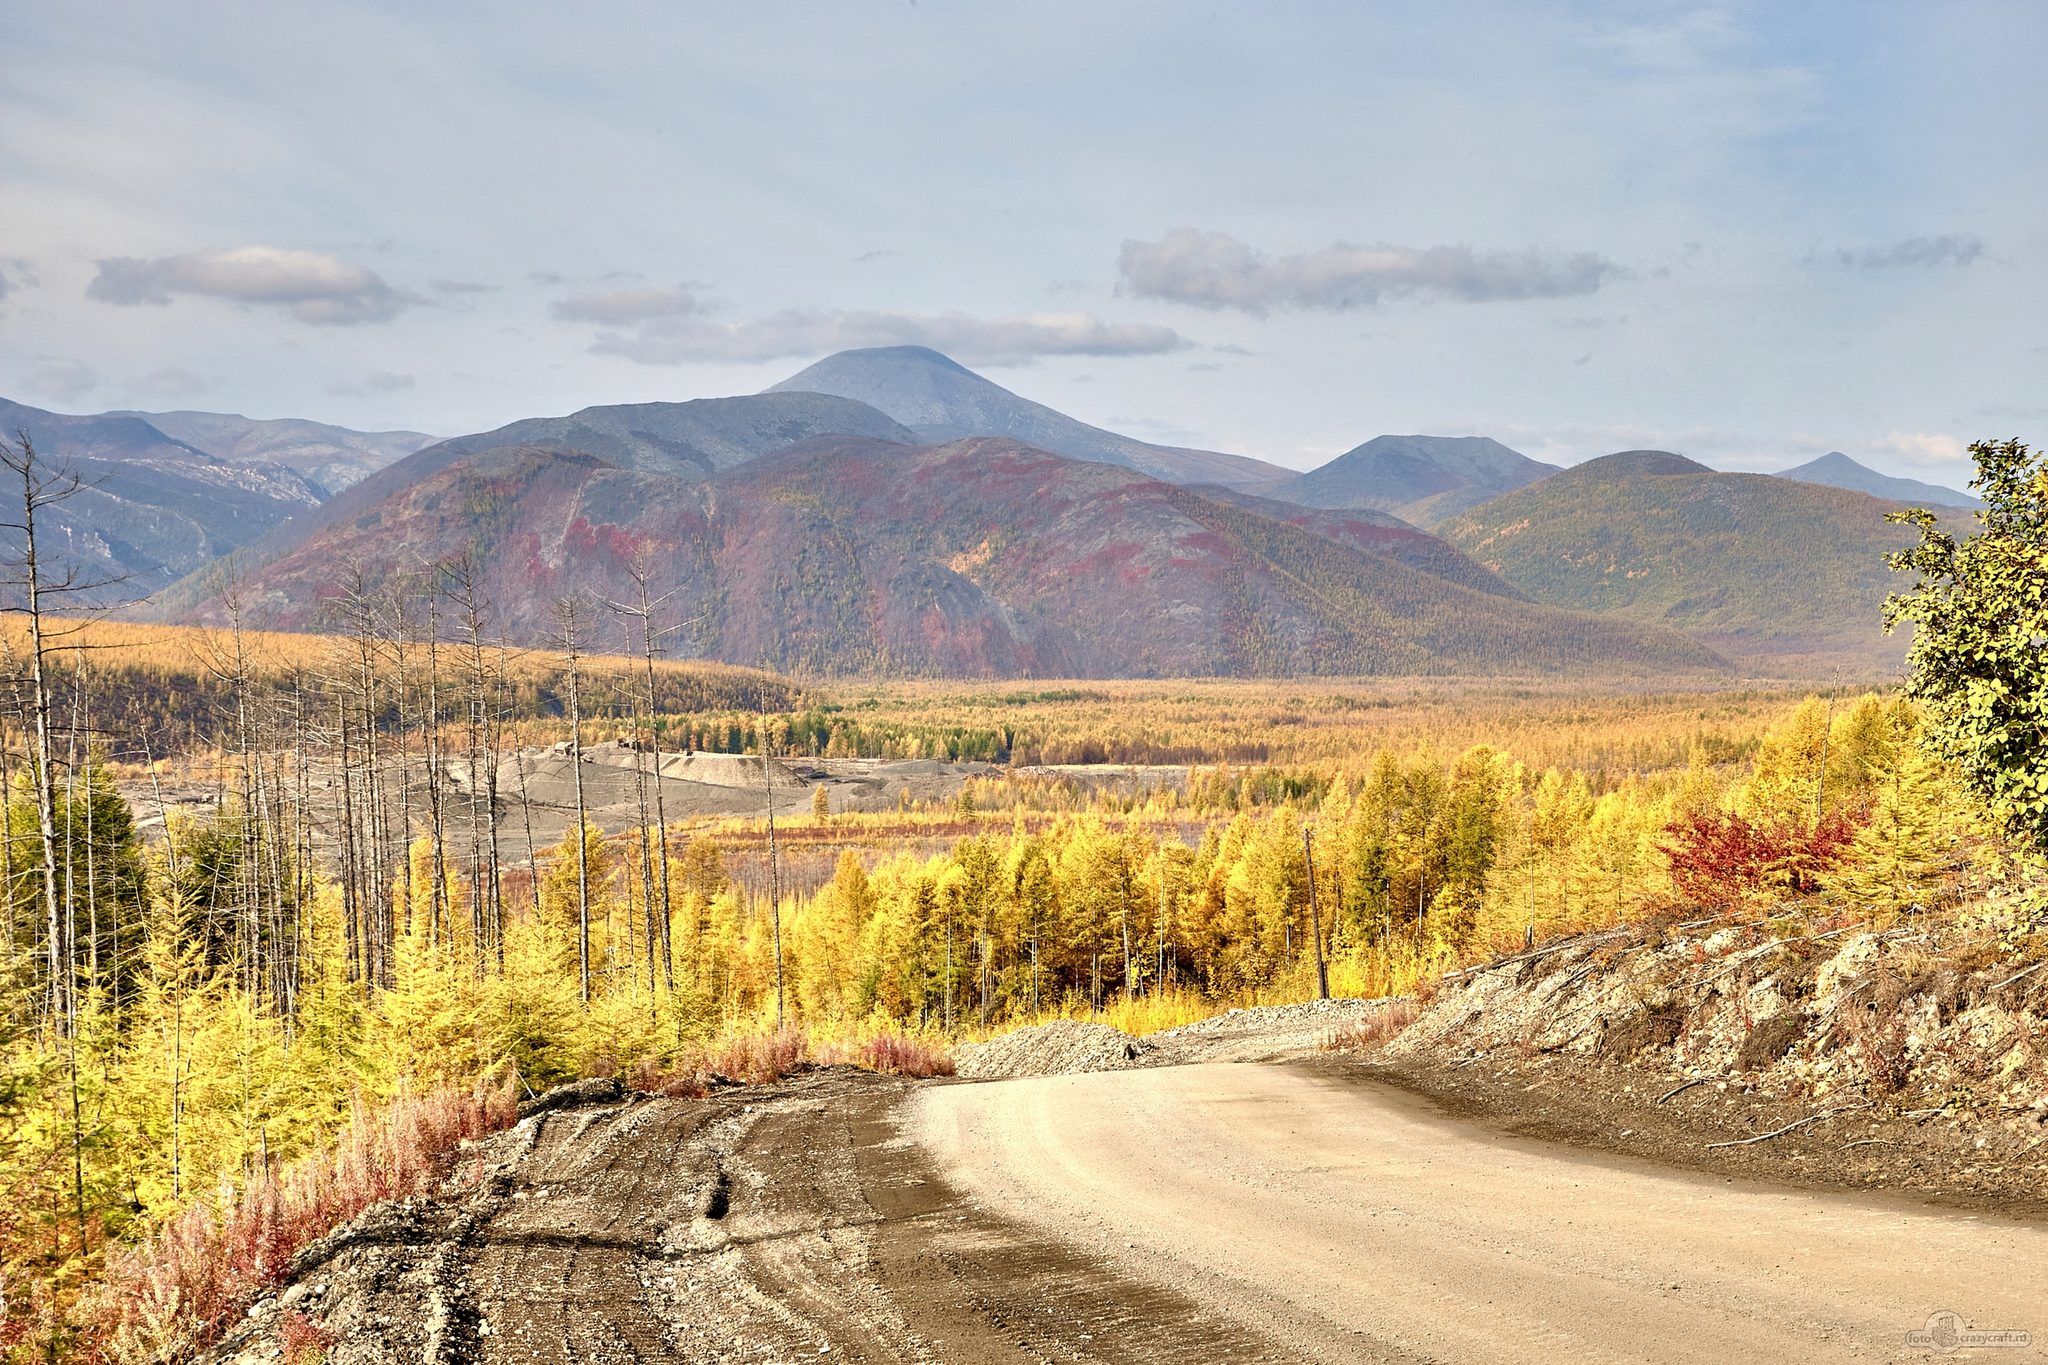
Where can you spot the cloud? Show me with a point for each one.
(459, 287)
(674, 339)
(61, 379)
(1923, 253)
(1923, 448)
(1214, 270)
(627, 307)
(15, 272)
(315, 288)
(376, 381)
(866, 256)
(172, 382)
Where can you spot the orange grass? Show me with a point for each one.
(1375, 1030)
(180, 1291)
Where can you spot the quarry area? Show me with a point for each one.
(536, 789)
(1736, 1138)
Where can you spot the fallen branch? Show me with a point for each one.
(1867, 1142)
(1765, 948)
(2017, 975)
(1575, 941)
(1683, 1088)
(1780, 1132)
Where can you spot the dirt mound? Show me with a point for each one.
(1064, 1047)
(1911, 1056)
(1261, 1033)
(729, 770)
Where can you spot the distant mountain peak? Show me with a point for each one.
(1836, 470)
(922, 354)
(1423, 479)
(1640, 462)
(942, 400)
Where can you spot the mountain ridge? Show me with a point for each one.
(981, 557)
(1421, 479)
(1753, 565)
(151, 508)
(327, 456)
(1836, 470)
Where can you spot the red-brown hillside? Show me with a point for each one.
(979, 558)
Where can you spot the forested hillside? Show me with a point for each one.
(1749, 564)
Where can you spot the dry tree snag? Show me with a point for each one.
(570, 614)
(32, 590)
(654, 841)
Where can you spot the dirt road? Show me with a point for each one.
(1205, 1213)
(1350, 1221)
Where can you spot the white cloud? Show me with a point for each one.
(1215, 270)
(63, 380)
(316, 288)
(376, 381)
(459, 287)
(626, 307)
(671, 340)
(1917, 252)
(172, 382)
(1923, 448)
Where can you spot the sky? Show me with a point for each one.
(1748, 233)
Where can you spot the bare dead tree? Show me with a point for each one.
(643, 609)
(571, 615)
(438, 907)
(463, 580)
(774, 871)
(34, 588)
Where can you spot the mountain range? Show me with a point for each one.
(1748, 564)
(150, 508)
(785, 518)
(977, 557)
(328, 457)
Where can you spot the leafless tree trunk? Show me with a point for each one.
(569, 614)
(1315, 918)
(774, 871)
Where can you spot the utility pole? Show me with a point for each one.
(1315, 919)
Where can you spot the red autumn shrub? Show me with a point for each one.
(1718, 857)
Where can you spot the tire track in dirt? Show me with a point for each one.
(776, 1224)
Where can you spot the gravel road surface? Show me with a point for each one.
(1349, 1221)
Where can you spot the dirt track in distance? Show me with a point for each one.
(1350, 1220)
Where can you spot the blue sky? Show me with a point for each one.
(1749, 233)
